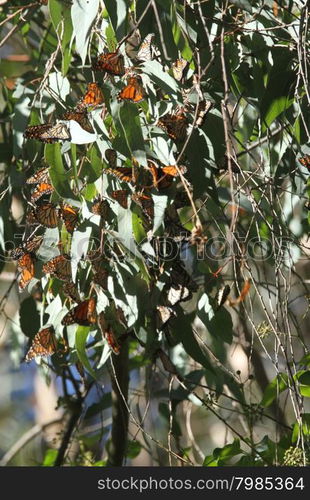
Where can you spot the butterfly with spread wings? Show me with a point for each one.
(83, 314)
(111, 62)
(43, 344)
(48, 133)
(70, 289)
(175, 125)
(59, 266)
(93, 96)
(133, 91)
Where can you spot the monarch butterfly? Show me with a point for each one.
(133, 91)
(48, 133)
(83, 314)
(111, 62)
(70, 289)
(81, 117)
(145, 202)
(305, 161)
(41, 190)
(92, 97)
(120, 196)
(163, 176)
(29, 246)
(70, 216)
(100, 207)
(59, 266)
(43, 344)
(126, 174)
(111, 156)
(175, 125)
(26, 267)
(221, 296)
(39, 176)
(178, 68)
(145, 50)
(45, 214)
(112, 340)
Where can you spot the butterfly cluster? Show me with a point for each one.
(130, 186)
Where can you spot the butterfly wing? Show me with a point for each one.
(43, 344)
(39, 176)
(93, 96)
(174, 125)
(125, 174)
(305, 161)
(145, 50)
(111, 62)
(83, 314)
(178, 68)
(41, 190)
(70, 216)
(133, 91)
(46, 214)
(26, 267)
(59, 266)
(81, 117)
(121, 196)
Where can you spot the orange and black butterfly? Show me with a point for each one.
(81, 117)
(39, 176)
(92, 97)
(25, 265)
(133, 91)
(59, 266)
(100, 207)
(175, 125)
(163, 176)
(305, 161)
(48, 133)
(112, 340)
(125, 174)
(70, 289)
(70, 216)
(31, 245)
(145, 50)
(111, 62)
(121, 196)
(43, 344)
(45, 213)
(83, 314)
(42, 189)
(178, 68)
